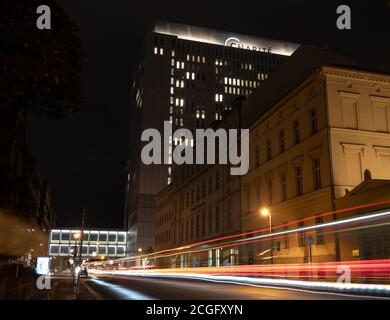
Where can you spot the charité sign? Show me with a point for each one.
(236, 43)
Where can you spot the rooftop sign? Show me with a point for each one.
(222, 38)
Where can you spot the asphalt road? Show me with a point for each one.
(145, 288)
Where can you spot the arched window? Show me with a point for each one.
(367, 175)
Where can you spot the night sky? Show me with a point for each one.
(81, 155)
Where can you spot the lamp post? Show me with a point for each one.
(76, 237)
(266, 213)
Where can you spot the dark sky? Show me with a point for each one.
(81, 155)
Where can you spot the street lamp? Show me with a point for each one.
(266, 213)
(140, 250)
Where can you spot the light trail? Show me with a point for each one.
(273, 236)
(336, 212)
(285, 284)
(124, 293)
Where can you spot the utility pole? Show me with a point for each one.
(80, 259)
(83, 220)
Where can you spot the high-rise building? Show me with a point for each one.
(188, 76)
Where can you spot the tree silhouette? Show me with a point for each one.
(40, 69)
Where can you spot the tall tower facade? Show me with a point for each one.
(188, 76)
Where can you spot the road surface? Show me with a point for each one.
(115, 287)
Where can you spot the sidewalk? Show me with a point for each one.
(63, 287)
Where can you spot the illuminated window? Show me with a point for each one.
(155, 50)
(161, 51)
(218, 97)
(234, 82)
(173, 53)
(204, 59)
(187, 75)
(181, 102)
(173, 62)
(182, 65)
(182, 83)
(203, 115)
(226, 80)
(188, 57)
(172, 90)
(177, 102)
(193, 76)
(197, 114)
(172, 81)
(178, 64)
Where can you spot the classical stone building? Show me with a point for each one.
(312, 146)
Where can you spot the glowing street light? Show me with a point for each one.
(265, 212)
(140, 250)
